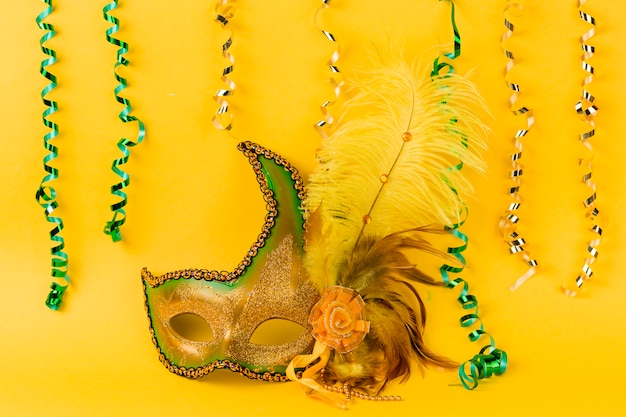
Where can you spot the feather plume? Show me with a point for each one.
(384, 182)
(381, 273)
(371, 181)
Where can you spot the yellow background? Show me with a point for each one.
(193, 201)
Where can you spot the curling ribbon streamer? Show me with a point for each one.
(314, 364)
(46, 194)
(323, 126)
(444, 62)
(222, 120)
(490, 360)
(112, 227)
(586, 109)
(510, 219)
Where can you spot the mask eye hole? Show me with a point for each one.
(276, 332)
(192, 327)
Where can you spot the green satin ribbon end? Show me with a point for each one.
(113, 230)
(482, 366)
(54, 301)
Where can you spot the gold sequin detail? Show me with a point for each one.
(384, 178)
(274, 296)
(407, 136)
(287, 293)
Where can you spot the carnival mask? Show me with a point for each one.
(268, 284)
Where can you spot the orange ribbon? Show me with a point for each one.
(338, 321)
(321, 354)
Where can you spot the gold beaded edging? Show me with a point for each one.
(252, 151)
(194, 373)
(199, 372)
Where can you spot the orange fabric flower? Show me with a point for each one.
(338, 319)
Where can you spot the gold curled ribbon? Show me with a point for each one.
(222, 119)
(587, 110)
(324, 125)
(509, 221)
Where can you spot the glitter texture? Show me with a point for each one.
(267, 284)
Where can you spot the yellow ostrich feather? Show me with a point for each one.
(387, 177)
(388, 166)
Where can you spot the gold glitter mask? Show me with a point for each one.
(267, 284)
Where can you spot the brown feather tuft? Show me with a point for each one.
(385, 170)
(382, 274)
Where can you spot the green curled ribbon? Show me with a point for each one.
(46, 194)
(112, 227)
(440, 64)
(490, 360)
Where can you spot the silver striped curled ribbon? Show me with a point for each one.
(586, 109)
(223, 119)
(510, 219)
(324, 125)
